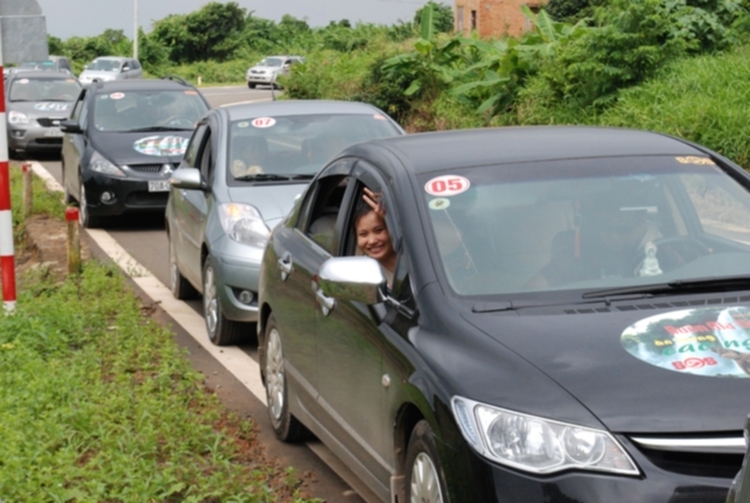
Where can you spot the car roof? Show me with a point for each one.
(139, 85)
(112, 58)
(297, 107)
(428, 152)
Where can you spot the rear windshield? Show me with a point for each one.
(44, 89)
(298, 145)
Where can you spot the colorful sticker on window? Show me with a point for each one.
(264, 122)
(191, 93)
(161, 146)
(117, 96)
(691, 159)
(243, 125)
(379, 117)
(23, 81)
(709, 341)
(439, 204)
(447, 185)
(51, 107)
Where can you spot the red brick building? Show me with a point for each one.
(493, 18)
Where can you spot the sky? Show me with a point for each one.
(86, 18)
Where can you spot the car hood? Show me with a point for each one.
(142, 148)
(273, 200)
(640, 370)
(265, 68)
(34, 109)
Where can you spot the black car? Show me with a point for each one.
(567, 317)
(740, 490)
(122, 142)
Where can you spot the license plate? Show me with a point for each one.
(53, 132)
(158, 185)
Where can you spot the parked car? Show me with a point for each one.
(243, 168)
(568, 318)
(740, 490)
(268, 70)
(55, 63)
(123, 140)
(36, 103)
(108, 68)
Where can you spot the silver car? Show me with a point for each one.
(242, 170)
(268, 70)
(36, 102)
(111, 68)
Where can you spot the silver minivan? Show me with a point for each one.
(111, 68)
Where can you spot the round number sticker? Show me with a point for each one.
(264, 122)
(447, 185)
(117, 96)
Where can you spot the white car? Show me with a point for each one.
(267, 71)
(108, 68)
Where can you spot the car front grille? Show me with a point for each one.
(149, 168)
(704, 457)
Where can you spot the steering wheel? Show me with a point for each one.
(676, 251)
(178, 121)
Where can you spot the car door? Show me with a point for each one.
(73, 146)
(299, 252)
(350, 347)
(185, 205)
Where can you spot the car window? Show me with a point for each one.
(191, 154)
(76, 113)
(104, 65)
(298, 144)
(206, 160)
(44, 89)
(321, 210)
(141, 110)
(596, 223)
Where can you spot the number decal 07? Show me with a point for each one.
(447, 185)
(264, 122)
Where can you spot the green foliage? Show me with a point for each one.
(54, 45)
(441, 14)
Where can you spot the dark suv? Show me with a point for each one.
(123, 140)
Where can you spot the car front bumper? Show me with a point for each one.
(260, 79)
(34, 137)
(123, 195)
(236, 269)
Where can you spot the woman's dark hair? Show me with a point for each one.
(361, 210)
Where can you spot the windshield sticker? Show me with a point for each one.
(161, 146)
(705, 161)
(439, 204)
(23, 81)
(243, 125)
(51, 107)
(379, 117)
(709, 341)
(191, 93)
(264, 122)
(447, 185)
(117, 96)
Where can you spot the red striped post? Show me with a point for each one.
(7, 255)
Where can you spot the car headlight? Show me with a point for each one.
(101, 165)
(17, 118)
(244, 224)
(537, 445)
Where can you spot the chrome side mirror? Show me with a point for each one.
(187, 178)
(357, 279)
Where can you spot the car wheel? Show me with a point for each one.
(424, 475)
(181, 288)
(251, 85)
(67, 198)
(286, 427)
(221, 331)
(84, 211)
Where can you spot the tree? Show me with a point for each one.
(54, 45)
(443, 16)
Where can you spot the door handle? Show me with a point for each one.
(285, 264)
(326, 303)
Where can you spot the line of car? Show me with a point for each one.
(568, 318)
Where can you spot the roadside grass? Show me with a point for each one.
(98, 402)
(44, 202)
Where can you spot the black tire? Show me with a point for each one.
(251, 85)
(286, 427)
(425, 480)
(221, 331)
(87, 220)
(180, 287)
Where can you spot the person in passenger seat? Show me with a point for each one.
(372, 233)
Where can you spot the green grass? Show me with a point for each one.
(99, 404)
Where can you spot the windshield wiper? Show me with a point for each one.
(263, 177)
(303, 177)
(727, 283)
(156, 128)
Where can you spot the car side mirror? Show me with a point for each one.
(188, 178)
(357, 279)
(70, 126)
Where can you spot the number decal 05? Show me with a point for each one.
(447, 185)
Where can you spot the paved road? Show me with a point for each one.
(143, 237)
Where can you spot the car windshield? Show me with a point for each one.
(148, 110)
(588, 224)
(272, 62)
(44, 89)
(104, 65)
(40, 65)
(298, 145)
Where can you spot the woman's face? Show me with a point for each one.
(373, 238)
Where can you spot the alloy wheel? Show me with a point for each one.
(425, 482)
(210, 300)
(275, 375)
